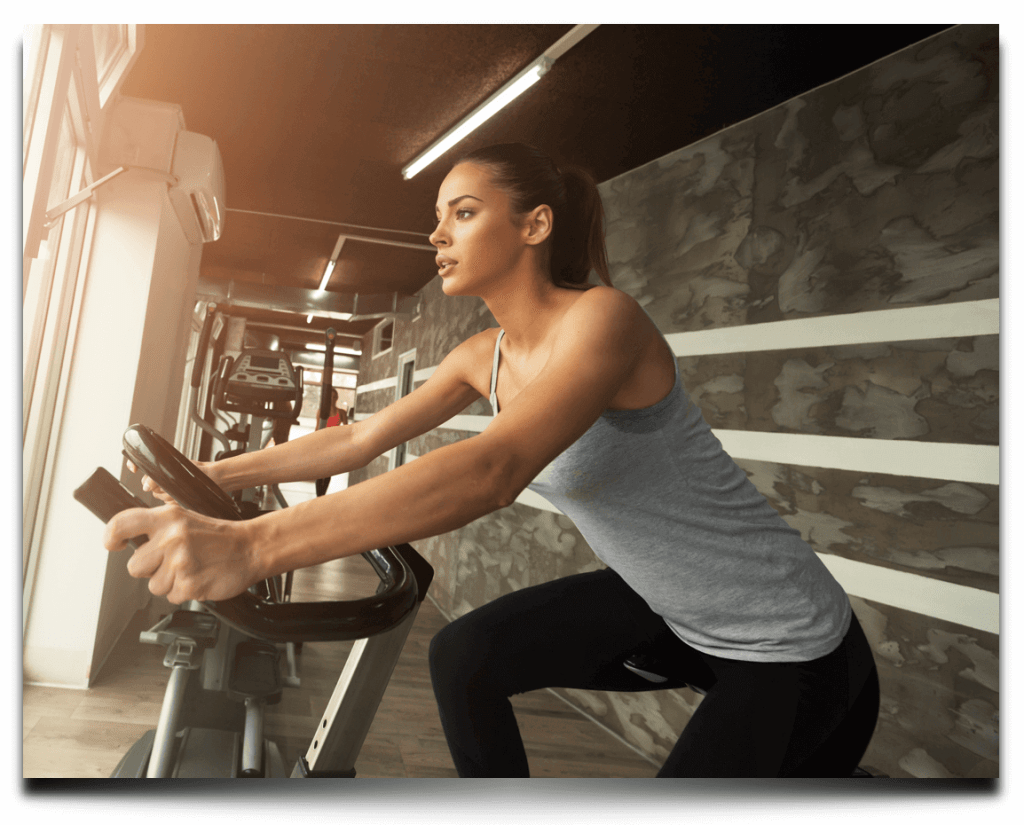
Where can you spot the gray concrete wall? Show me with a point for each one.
(874, 193)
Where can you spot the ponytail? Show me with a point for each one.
(530, 178)
(579, 247)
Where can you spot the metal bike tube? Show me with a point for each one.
(252, 740)
(161, 759)
(353, 705)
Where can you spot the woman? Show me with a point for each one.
(338, 416)
(704, 576)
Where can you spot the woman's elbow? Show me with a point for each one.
(502, 482)
(505, 495)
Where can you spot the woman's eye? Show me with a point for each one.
(462, 214)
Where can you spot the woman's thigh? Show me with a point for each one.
(573, 632)
(782, 719)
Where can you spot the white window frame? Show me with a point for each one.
(398, 455)
(377, 330)
(60, 86)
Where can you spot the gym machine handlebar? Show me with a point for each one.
(327, 377)
(404, 574)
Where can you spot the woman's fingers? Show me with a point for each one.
(155, 490)
(187, 555)
(126, 525)
(160, 584)
(144, 563)
(148, 485)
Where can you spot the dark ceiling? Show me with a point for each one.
(316, 122)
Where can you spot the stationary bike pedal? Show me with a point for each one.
(256, 672)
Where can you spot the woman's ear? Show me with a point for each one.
(538, 225)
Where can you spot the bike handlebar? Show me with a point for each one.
(405, 575)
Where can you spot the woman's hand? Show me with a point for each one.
(188, 556)
(150, 486)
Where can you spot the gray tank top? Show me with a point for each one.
(660, 502)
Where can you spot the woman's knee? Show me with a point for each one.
(461, 652)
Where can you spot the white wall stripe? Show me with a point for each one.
(970, 463)
(423, 374)
(954, 603)
(383, 384)
(957, 320)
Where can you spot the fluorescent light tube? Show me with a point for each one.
(327, 277)
(499, 100)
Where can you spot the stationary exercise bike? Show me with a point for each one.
(379, 623)
(236, 676)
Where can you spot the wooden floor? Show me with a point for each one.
(81, 734)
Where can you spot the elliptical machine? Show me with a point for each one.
(259, 386)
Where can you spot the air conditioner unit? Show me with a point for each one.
(198, 196)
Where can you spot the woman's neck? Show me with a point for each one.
(528, 308)
(527, 303)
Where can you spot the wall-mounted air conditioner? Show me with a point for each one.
(199, 194)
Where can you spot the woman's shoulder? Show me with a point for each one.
(473, 356)
(481, 343)
(604, 305)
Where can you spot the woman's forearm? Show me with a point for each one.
(443, 490)
(319, 454)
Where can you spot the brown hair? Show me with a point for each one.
(530, 178)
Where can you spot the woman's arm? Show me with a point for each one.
(597, 347)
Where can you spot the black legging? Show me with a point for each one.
(795, 719)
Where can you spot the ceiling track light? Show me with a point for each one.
(499, 100)
(329, 270)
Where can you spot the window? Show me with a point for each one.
(63, 117)
(383, 337)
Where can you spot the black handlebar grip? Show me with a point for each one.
(104, 497)
(180, 478)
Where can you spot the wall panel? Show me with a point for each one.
(876, 193)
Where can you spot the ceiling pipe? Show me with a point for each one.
(311, 336)
(338, 306)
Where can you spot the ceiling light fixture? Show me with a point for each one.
(329, 270)
(499, 100)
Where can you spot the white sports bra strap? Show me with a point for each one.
(494, 371)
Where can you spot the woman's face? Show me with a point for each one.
(478, 238)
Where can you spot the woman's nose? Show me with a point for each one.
(437, 237)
